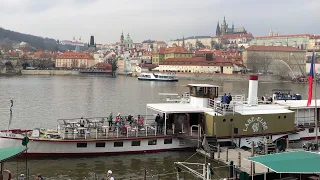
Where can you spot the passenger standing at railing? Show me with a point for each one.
(229, 100)
(110, 118)
(117, 122)
(224, 99)
(157, 120)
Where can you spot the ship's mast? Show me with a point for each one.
(315, 98)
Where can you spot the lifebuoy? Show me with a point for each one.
(9, 174)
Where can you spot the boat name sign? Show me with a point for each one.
(254, 123)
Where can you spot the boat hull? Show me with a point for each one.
(164, 80)
(47, 148)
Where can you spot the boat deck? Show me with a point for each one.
(95, 129)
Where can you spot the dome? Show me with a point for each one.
(128, 39)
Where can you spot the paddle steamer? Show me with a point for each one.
(240, 123)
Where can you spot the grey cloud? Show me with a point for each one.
(156, 19)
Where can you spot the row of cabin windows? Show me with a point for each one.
(120, 143)
(311, 130)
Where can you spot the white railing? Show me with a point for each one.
(222, 108)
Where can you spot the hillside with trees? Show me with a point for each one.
(36, 42)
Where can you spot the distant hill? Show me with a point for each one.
(36, 42)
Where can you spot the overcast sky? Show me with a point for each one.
(155, 19)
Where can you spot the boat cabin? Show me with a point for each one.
(185, 118)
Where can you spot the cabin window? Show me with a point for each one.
(82, 145)
(152, 142)
(278, 117)
(135, 143)
(224, 120)
(231, 120)
(101, 144)
(118, 144)
(167, 141)
(311, 130)
(285, 116)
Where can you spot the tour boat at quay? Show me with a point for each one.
(186, 122)
(157, 77)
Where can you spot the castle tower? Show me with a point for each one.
(121, 38)
(224, 26)
(218, 30)
(232, 26)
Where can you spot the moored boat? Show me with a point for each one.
(184, 123)
(157, 77)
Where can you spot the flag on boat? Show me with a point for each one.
(310, 80)
(205, 144)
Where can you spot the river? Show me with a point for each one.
(40, 100)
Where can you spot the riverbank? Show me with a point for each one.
(187, 76)
(50, 72)
(223, 77)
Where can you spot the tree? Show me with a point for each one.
(258, 62)
(199, 44)
(114, 66)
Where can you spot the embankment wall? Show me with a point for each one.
(50, 72)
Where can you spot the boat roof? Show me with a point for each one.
(281, 90)
(298, 104)
(202, 85)
(262, 109)
(168, 94)
(302, 162)
(177, 108)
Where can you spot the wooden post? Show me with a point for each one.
(266, 148)
(145, 174)
(218, 151)
(252, 149)
(239, 158)
(227, 154)
(287, 142)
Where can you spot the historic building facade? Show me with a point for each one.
(283, 60)
(71, 59)
(300, 41)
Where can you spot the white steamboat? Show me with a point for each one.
(239, 123)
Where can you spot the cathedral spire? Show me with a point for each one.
(224, 20)
(183, 45)
(218, 30)
(270, 32)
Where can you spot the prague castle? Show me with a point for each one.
(225, 30)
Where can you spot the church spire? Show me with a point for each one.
(183, 45)
(218, 30)
(270, 32)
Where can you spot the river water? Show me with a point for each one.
(40, 100)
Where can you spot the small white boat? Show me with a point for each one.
(157, 77)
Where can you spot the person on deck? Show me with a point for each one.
(109, 175)
(157, 120)
(39, 177)
(224, 99)
(229, 100)
(117, 122)
(130, 119)
(110, 118)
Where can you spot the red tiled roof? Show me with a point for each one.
(74, 55)
(177, 49)
(234, 36)
(272, 48)
(292, 35)
(160, 42)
